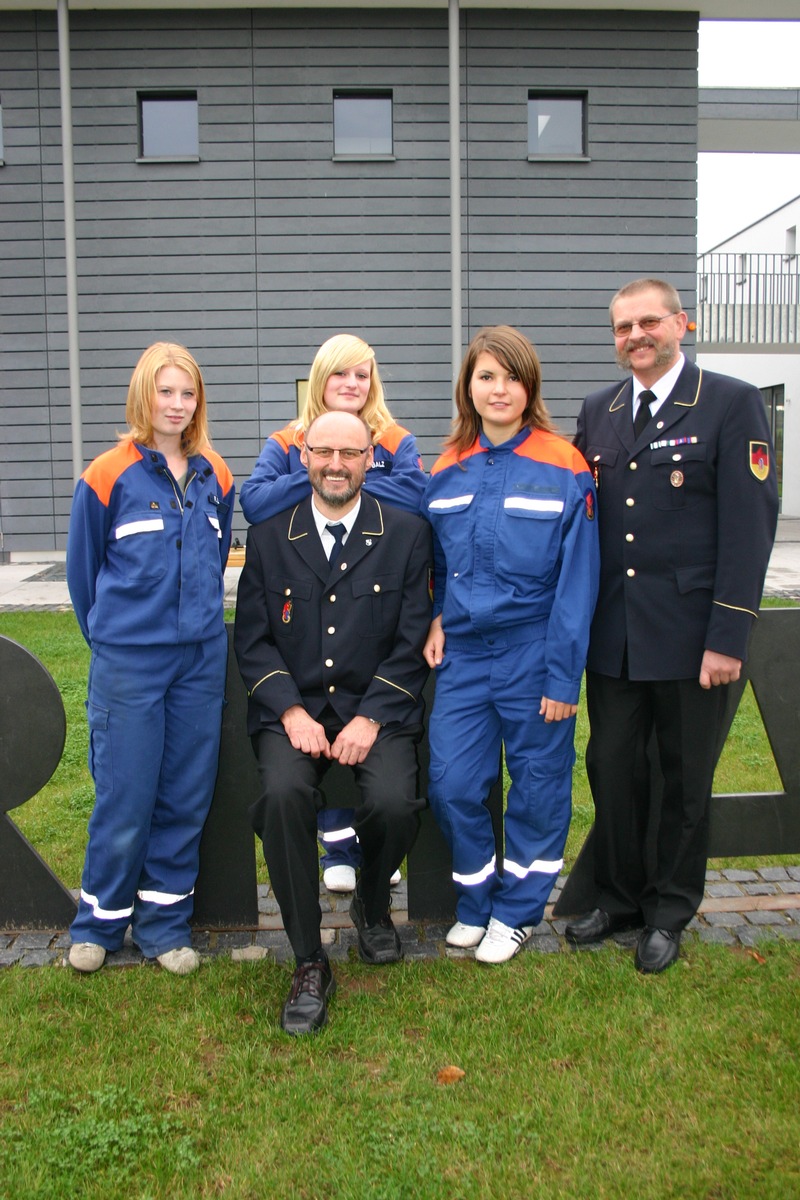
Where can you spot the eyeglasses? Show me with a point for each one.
(647, 325)
(325, 452)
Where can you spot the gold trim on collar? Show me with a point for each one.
(614, 407)
(691, 403)
(294, 537)
(375, 532)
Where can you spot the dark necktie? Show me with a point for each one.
(642, 418)
(337, 532)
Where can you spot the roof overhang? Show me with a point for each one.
(708, 10)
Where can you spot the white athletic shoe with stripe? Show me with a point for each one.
(465, 936)
(501, 942)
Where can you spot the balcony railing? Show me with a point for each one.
(748, 298)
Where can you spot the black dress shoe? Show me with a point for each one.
(377, 944)
(596, 925)
(306, 1009)
(657, 949)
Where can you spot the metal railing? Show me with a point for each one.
(748, 298)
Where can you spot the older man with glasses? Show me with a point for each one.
(332, 613)
(687, 506)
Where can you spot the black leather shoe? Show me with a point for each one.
(306, 1009)
(377, 944)
(657, 949)
(596, 925)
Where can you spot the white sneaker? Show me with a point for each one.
(501, 942)
(182, 961)
(395, 878)
(86, 956)
(465, 935)
(339, 879)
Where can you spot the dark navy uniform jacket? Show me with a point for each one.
(350, 636)
(687, 515)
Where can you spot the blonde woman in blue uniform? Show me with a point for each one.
(512, 506)
(149, 536)
(344, 377)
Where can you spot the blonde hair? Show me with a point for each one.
(341, 351)
(515, 353)
(142, 393)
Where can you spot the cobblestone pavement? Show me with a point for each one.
(741, 907)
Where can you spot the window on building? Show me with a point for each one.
(362, 124)
(168, 125)
(556, 125)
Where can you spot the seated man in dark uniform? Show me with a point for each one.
(332, 613)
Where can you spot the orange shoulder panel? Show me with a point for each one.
(105, 470)
(391, 438)
(286, 437)
(450, 457)
(221, 468)
(554, 449)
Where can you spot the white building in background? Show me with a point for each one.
(748, 325)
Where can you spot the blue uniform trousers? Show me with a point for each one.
(485, 696)
(338, 837)
(155, 716)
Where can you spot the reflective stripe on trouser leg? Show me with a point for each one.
(338, 838)
(464, 735)
(127, 707)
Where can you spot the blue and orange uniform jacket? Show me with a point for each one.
(145, 561)
(280, 481)
(516, 548)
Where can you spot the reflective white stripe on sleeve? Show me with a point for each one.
(451, 501)
(104, 914)
(338, 835)
(542, 866)
(478, 877)
(163, 897)
(148, 526)
(530, 504)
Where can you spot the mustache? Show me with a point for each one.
(639, 344)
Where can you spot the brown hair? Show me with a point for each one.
(515, 353)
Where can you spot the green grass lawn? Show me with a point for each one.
(583, 1080)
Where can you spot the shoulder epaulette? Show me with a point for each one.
(554, 449)
(104, 471)
(221, 469)
(452, 456)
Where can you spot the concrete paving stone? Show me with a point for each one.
(733, 875)
(696, 924)
(790, 932)
(789, 886)
(201, 940)
(9, 957)
(793, 914)
(63, 941)
(33, 940)
(269, 907)
(128, 956)
(711, 876)
(416, 951)
(6, 939)
(435, 931)
(730, 919)
(38, 958)
(234, 939)
(760, 889)
(559, 925)
(793, 872)
(718, 936)
(337, 953)
(272, 939)
(545, 944)
(458, 952)
(765, 917)
(542, 928)
(753, 934)
(627, 938)
(773, 874)
(723, 890)
(408, 934)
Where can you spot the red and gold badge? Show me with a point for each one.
(589, 505)
(286, 615)
(759, 460)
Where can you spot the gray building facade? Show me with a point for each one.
(257, 247)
